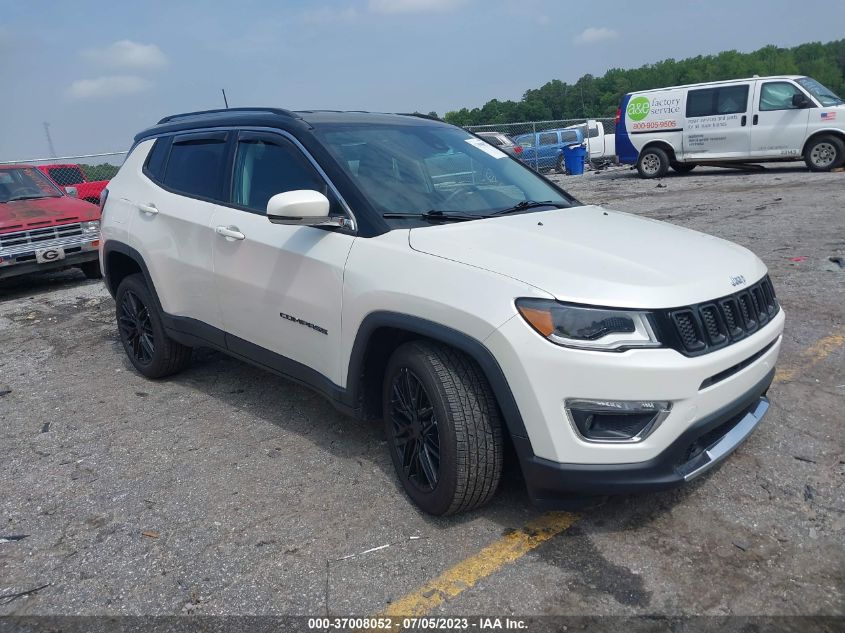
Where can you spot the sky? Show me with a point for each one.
(98, 72)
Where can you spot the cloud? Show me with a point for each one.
(128, 54)
(413, 6)
(592, 35)
(106, 87)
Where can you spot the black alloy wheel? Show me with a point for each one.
(415, 431)
(136, 328)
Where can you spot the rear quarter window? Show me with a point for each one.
(157, 158)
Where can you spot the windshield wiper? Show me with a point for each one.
(527, 204)
(435, 216)
(28, 197)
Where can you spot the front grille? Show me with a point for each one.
(702, 328)
(12, 244)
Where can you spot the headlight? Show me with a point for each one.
(92, 227)
(605, 329)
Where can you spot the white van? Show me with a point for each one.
(740, 121)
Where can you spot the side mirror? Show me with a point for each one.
(303, 207)
(72, 192)
(800, 101)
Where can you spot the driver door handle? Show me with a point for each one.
(149, 209)
(230, 232)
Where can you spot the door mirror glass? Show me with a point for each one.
(800, 101)
(303, 207)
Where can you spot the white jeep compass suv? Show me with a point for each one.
(411, 272)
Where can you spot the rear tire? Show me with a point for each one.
(682, 168)
(653, 163)
(443, 428)
(824, 153)
(91, 270)
(150, 350)
(560, 166)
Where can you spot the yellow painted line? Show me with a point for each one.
(814, 354)
(489, 560)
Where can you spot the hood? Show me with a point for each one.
(24, 215)
(599, 257)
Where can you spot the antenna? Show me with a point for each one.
(225, 101)
(49, 140)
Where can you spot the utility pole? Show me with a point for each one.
(49, 140)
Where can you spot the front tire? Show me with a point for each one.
(91, 270)
(653, 163)
(443, 428)
(824, 153)
(150, 350)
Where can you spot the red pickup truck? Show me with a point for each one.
(43, 228)
(70, 175)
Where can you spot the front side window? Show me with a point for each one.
(777, 95)
(267, 166)
(195, 166)
(25, 183)
(550, 138)
(417, 168)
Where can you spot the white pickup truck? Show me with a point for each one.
(601, 147)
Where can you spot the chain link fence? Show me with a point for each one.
(83, 176)
(539, 143)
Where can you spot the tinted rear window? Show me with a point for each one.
(157, 159)
(195, 167)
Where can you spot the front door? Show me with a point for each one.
(279, 287)
(779, 128)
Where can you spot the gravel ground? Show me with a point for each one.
(226, 490)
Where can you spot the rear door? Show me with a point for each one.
(778, 128)
(717, 122)
(171, 211)
(279, 287)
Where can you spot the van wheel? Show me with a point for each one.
(824, 153)
(653, 163)
(150, 350)
(443, 428)
(682, 168)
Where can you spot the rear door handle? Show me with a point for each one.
(743, 120)
(149, 209)
(754, 120)
(230, 232)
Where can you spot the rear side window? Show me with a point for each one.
(569, 136)
(195, 165)
(713, 101)
(154, 167)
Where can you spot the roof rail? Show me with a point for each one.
(420, 115)
(174, 117)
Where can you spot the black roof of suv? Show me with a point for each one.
(302, 120)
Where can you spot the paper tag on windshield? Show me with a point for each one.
(485, 147)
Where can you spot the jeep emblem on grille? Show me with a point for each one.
(737, 280)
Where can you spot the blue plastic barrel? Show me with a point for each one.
(573, 158)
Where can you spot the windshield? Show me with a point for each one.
(415, 169)
(820, 92)
(25, 183)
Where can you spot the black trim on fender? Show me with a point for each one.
(474, 348)
(550, 483)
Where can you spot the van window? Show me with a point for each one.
(549, 138)
(195, 166)
(721, 100)
(777, 95)
(154, 168)
(265, 167)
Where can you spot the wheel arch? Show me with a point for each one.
(666, 146)
(120, 261)
(381, 333)
(840, 134)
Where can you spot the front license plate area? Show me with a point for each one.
(47, 255)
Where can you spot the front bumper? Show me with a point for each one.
(71, 259)
(698, 449)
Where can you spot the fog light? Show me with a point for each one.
(616, 420)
